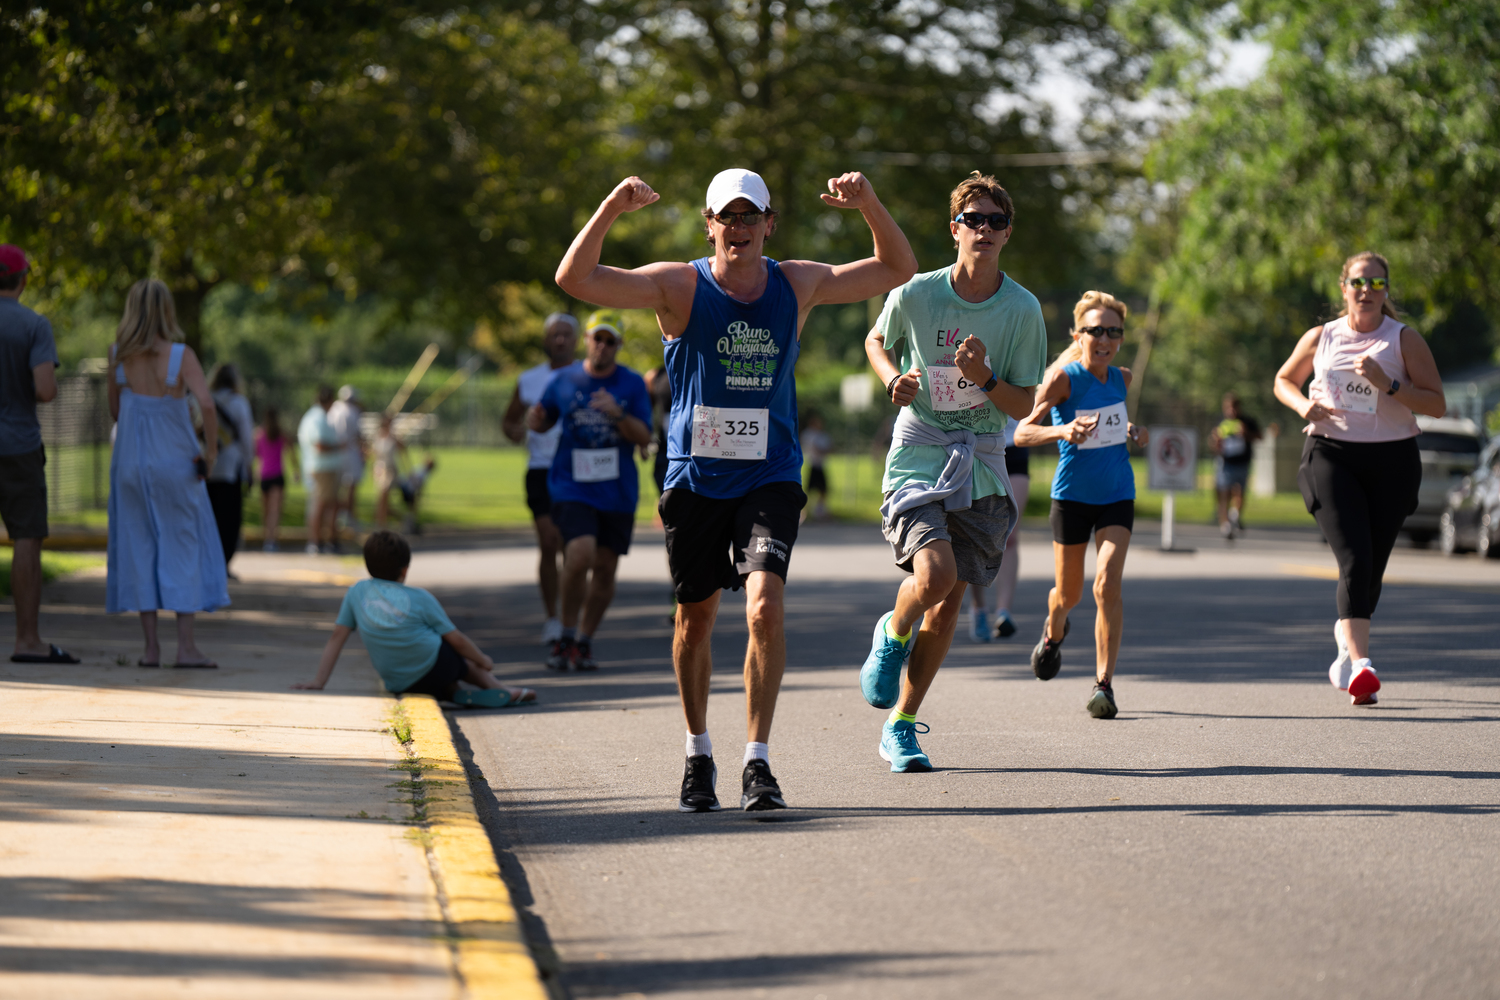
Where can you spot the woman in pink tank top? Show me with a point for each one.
(1360, 468)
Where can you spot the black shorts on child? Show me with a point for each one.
(446, 672)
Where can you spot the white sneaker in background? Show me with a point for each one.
(1342, 668)
(312, 548)
(551, 631)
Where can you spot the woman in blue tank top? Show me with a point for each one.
(1093, 490)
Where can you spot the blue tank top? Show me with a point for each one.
(740, 355)
(1092, 475)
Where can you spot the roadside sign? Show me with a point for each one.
(1172, 459)
(856, 393)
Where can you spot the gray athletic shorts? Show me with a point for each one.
(977, 535)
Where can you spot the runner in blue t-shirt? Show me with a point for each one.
(604, 412)
(1093, 490)
(730, 323)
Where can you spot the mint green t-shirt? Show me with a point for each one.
(927, 321)
(402, 628)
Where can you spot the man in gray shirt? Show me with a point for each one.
(28, 363)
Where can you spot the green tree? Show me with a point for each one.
(1370, 128)
(353, 145)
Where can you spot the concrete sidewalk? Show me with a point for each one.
(212, 833)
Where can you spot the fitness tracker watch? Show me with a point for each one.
(1395, 384)
(994, 381)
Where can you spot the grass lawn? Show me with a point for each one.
(54, 565)
(484, 487)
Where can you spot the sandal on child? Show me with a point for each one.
(492, 698)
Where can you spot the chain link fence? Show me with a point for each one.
(76, 433)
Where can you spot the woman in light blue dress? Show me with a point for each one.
(164, 551)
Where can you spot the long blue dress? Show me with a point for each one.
(164, 551)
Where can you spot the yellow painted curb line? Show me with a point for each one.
(494, 960)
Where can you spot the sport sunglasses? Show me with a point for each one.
(1112, 332)
(744, 218)
(976, 220)
(1374, 284)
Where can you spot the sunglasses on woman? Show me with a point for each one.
(1374, 284)
(1112, 332)
(744, 218)
(976, 220)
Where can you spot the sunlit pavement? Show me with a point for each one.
(1239, 830)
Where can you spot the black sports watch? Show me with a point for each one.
(1395, 384)
(994, 381)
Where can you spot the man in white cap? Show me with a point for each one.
(731, 324)
(560, 344)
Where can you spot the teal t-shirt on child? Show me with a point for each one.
(402, 628)
(928, 320)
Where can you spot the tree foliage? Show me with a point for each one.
(1371, 128)
(357, 145)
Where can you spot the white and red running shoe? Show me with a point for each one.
(1363, 684)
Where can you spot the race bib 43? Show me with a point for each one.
(1109, 430)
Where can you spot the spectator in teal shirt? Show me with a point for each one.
(413, 646)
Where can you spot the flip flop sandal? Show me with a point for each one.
(143, 663)
(206, 665)
(54, 654)
(492, 698)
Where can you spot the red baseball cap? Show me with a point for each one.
(13, 259)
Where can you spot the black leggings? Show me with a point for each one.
(1360, 492)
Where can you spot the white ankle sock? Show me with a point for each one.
(700, 745)
(757, 750)
(1364, 664)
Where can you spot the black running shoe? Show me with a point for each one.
(561, 656)
(1046, 658)
(698, 780)
(1101, 704)
(583, 656)
(761, 790)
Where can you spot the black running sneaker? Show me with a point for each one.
(562, 654)
(698, 780)
(1101, 704)
(761, 790)
(583, 655)
(1046, 658)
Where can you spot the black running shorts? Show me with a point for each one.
(611, 529)
(1073, 521)
(714, 544)
(537, 497)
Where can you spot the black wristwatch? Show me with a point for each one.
(994, 381)
(1395, 384)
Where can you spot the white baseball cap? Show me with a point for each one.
(728, 185)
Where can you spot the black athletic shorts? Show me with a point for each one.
(817, 480)
(446, 672)
(1073, 521)
(269, 483)
(609, 528)
(23, 494)
(1017, 461)
(537, 497)
(714, 544)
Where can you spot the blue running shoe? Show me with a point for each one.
(898, 744)
(979, 625)
(880, 677)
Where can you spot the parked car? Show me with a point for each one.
(1471, 519)
(1450, 448)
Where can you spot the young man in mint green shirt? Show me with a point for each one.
(971, 348)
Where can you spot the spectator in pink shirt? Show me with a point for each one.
(270, 445)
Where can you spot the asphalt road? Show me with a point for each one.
(1238, 831)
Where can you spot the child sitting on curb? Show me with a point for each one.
(412, 644)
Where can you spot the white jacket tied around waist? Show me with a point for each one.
(955, 485)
